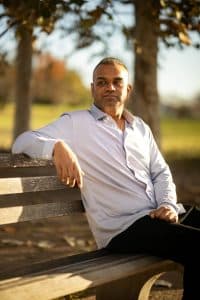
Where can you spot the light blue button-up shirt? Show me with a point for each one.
(125, 174)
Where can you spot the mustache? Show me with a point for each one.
(110, 94)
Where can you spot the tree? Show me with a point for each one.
(170, 21)
(145, 100)
(23, 76)
(25, 16)
(54, 83)
(6, 82)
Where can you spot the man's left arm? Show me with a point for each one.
(164, 187)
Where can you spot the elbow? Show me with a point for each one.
(16, 147)
(19, 144)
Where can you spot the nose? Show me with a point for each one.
(110, 86)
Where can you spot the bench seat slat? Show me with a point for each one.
(68, 279)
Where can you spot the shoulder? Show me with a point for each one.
(141, 125)
(76, 114)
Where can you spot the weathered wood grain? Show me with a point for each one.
(39, 211)
(88, 273)
(8, 160)
(29, 184)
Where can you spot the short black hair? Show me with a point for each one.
(110, 61)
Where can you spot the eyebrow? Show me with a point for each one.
(101, 77)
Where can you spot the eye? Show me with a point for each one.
(101, 83)
(118, 82)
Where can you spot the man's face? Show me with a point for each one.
(110, 88)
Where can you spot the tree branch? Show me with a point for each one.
(9, 27)
(3, 15)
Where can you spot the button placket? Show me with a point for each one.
(136, 173)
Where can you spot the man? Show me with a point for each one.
(126, 185)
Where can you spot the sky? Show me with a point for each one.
(178, 70)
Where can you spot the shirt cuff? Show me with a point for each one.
(178, 208)
(48, 149)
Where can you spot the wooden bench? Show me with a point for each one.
(30, 190)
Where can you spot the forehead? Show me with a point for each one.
(110, 71)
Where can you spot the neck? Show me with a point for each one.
(120, 123)
(116, 113)
(118, 118)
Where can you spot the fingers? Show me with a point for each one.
(72, 177)
(69, 181)
(79, 176)
(164, 213)
(67, 165)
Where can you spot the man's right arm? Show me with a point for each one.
(40, 143)
(53, 141)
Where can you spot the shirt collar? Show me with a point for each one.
(98, 114)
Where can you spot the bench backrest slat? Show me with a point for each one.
(8, 160)
(29, 184)
(38, 211)
(33, 196)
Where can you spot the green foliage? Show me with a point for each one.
(32, 14)
(76, 93)
(176, 20)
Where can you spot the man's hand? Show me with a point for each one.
(164, 213)
(67, 165)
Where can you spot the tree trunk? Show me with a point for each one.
(23, 78)
(145, 101)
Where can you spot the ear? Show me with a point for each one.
(129, 89)
(92, 88)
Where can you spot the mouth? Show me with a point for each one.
(113, 97)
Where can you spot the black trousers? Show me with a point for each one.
(176, 241)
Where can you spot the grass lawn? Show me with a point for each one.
(180, 137)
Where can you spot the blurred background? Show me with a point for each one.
(48, 50)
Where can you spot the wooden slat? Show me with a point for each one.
(19, 165)
(29, 184)
(75, 277)
(27, 199)
(11, 271)
(8, 160)
(38, 211)
(27, 172)
(36, 205)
